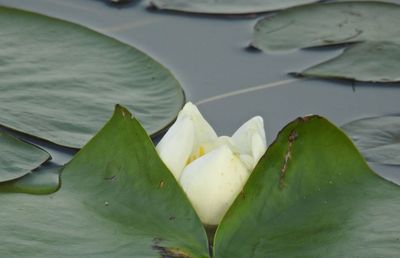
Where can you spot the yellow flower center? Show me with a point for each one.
(197, 154)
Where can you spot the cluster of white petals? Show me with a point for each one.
(212, 170)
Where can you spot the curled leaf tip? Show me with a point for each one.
(119, 109)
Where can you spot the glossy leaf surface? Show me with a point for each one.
(378, 138)
(18, 158)
(312, 195)
(227, 6)
(60, 81)
(117, 200)
(328, 24)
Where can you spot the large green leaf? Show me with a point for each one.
(117, 200)
(59, 81)
(18, 158)
(328, 24)
(227, 6)
(369, 61)
(312, 195)
(378, 138)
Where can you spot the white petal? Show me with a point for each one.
(188, 138)
(176, 146)
(250, 140)
(227, 141)
(203, 130)
(204, 135)
(248, 161)
(258, 146)
(212, 183)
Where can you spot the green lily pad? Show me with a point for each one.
(18, 158)
(376, 59)
(117, 199)
(42, 181)
(227, 6)
(59, 81)
(378, 138)
(312, 195)
(327, 24)
(369, 61)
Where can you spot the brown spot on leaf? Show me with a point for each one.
(243, 195)
(292, 137)
(304, 118)
(288, 156)
(157, 240)
(161, 184)
(168, 252)
(111, 178)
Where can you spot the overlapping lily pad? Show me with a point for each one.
(312, 195)
(18, 158)
(227, 6)
(325, 24)
(368, 61)
(43, 181)
(117, 200)
(60, 81)
(316, 25)
(378, 138)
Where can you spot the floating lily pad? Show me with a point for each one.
(369, 61)
(327, 24)
(378, 138)
(42, 181)
(117, 199)
(227, 6)
(18, 158)
(312, 195)
(60, 81)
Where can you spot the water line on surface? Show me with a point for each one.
(247, 90)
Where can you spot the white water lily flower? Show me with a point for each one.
(212, 183)
(212, 170)
(188, 138)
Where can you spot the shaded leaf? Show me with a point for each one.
(18, 158)
(312, 195)
(59, 81)
(119, 2)
(378, 138)
(117, 200)
(369, 61)
(328, 24)
(227, 6)
(42, 181)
